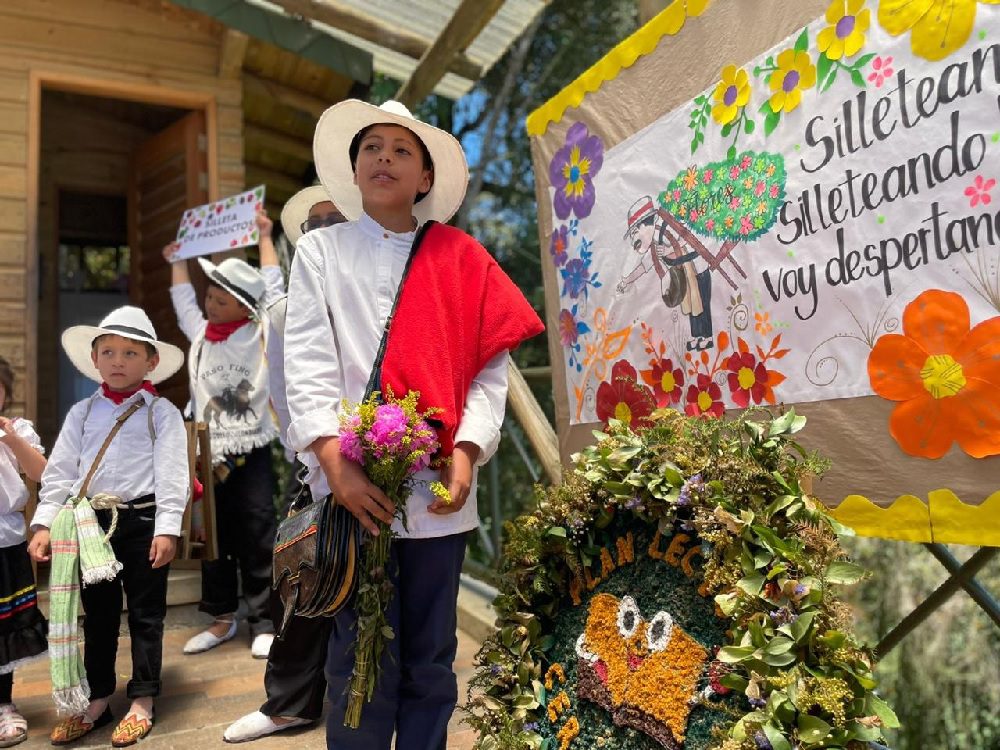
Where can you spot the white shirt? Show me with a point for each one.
(134, 464)
(13, 492)
(276, 371)
(341, 290)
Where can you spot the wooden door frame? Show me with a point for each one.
(40, 79)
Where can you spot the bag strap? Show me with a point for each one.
(107, 443)
(376, 374)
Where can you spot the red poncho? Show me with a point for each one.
(457, 310)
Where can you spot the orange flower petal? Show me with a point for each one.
(894, 368)
(923, 427)
(979, 352)
(976, 418)
(937, 320)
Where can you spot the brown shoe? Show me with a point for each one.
(74, 727)
(131, 729)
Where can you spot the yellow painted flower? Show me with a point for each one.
(731, 94)
(937, 27)
(794, 74)
(845, 35)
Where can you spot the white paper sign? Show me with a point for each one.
(223, 225)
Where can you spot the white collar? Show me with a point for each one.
(376, 231)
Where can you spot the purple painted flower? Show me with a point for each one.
(570, 329)
(572, 172)
(576, 275)
(559, 245)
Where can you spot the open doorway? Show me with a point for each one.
(114, 178)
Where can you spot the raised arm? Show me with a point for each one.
(189, 315)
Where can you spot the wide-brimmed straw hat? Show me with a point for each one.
(237, 277)
(296, 211)
(130, 322)
(331, 151)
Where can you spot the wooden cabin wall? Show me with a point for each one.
(142, 45)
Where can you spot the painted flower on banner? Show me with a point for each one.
(570, 329)
(667, 380)
(945, 377)
(882, 71)
(795, 72)
(623, 397)
(559, 245)
(937, 27)
(731, 94)
(572, 172)
(576, 275)
(747, 379)
(845, 36)
(979, 191)
(704, 398)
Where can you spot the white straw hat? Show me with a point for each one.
(130, 322)
(296, 210)
(331, 151)
(237, 277)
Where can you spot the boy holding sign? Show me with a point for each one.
(229, 391)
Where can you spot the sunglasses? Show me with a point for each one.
(315, 222)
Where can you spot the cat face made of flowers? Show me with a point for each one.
(643, 672)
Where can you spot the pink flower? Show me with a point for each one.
(759, 188)
(709, 224)
(388, 430)
(735, 202)
(774, 190)
(881, 70)
(979, 192)
(350, 445)
(734, 173)
(745, 164)
(677, 195)
(694, 214)
(707, 177)
(746, 226)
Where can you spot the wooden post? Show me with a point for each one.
(231, 53)
(533, 420)
(470, 18)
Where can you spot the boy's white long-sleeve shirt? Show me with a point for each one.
(342, 286)
(134, 464)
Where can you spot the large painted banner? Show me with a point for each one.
(819, 225)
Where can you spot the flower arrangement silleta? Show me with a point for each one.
(393, 441)
(678, 591)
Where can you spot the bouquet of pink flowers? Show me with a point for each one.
(393, 441)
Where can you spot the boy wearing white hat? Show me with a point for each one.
(457, 317)
(126, 447)
(230, 391)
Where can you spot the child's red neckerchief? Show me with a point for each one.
(216, 332)
(119, 397)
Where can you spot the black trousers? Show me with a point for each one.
(146, 589)
(418, 690)
(244, 513)
(294, 680)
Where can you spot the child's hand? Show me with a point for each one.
(170, 251)
(457, 477)
(351, 487)
(264, 223)
(162, 550)
(39, 546)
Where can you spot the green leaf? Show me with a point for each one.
(863, 61)
(802, 43)
(882, 710)
(727, 129)
(735, 654)
(387, 633)
(558, 531)
(752, 584)
(800, 628)
(749, 126)
(780, 660)
(823, 65)
(771, 121)
(858, 78)
(812, 729)
(842, 571)
(731, 152)
(734, 682)
(779, 645)
(776, 737)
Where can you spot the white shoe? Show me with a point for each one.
(207, 640)
(261, 646)
(256, 725)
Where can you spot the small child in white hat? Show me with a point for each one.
(126, 446)
(230, 391)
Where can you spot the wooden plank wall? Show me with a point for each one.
(135, 45)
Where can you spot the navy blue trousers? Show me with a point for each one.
(418, 690)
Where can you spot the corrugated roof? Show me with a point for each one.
(426, 19)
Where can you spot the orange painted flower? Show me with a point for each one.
(945, 377)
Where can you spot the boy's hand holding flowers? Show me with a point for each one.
(456, 477)
(351, 486)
